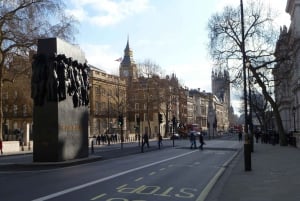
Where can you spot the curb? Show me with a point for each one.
(47, 165)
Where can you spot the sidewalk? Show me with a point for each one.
(275, 176)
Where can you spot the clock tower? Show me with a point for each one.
(128, 67)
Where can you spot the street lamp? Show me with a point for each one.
(250, 122)
(247, 145)
(294, 114)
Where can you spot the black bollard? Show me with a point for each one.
(247, 153)
(92, 147)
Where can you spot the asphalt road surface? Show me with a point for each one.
(171, 173)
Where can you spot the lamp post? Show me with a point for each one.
(250, 122)
(247, 145)
(294, 115)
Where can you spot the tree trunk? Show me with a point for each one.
(281, 132)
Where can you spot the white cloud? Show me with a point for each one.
(102, 56)
(106, 12)
(197, 75)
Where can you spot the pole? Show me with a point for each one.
(247, 145)
(294, 113)
(250, 122)
(244, 68)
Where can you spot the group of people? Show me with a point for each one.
(193, 136)
(105, 139)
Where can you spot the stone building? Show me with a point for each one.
(199, 104)
(287, 72)
(211, 111)
(148, 96)
(16, 100)
(107, 102)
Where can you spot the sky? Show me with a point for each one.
(170, 33)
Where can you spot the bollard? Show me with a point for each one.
(92, 147)
(247, 153)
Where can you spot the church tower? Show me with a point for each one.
(221, 86)
(128, 67)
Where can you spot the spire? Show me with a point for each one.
(128, 58)
(127, 48)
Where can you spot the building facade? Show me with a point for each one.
(17, 104)
(107, 102)
(150, 95)
(287, 71)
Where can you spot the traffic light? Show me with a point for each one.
(120, 120)
(160, 118)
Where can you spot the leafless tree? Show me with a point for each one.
(148, 73)
(22, 22)
(260, 39)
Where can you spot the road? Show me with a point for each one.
(171, 173)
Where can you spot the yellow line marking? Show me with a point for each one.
(97, 181)
(152, 173)
(139, 179)
(99, 196)
(120, 187)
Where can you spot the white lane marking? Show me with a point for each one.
(75, 188)
(214, 180)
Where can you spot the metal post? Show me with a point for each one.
(294, 114)
(250, 109)
(247, 145)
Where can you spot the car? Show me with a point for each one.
(176, 136)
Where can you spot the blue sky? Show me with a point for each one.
(171, 33)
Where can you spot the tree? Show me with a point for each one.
(260, 36)
(149, 78)
(22, 22)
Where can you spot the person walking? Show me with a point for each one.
(159, 140)
(201, 141)
(193, 140)
(146, 140)
(240, 136)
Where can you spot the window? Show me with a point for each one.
(137, 106)
(25, 110)
(97, 90)
(15, 110)
(97, 107)
(5, 95)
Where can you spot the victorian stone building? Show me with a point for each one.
(210, 111)
(107, 102)
(150, 95)
(16, 100)
(287, 72)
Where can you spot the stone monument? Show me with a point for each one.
(59, 89)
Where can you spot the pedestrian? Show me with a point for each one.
(240, 136)
(201, 141)
(98, 140)
(1, 146)
(193, 140)
(159, 140)
(145, 140)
